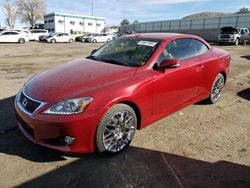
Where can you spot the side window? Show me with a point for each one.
(164, 55)
(186, 48)
(199, 47)
(183, 49)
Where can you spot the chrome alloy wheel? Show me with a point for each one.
(217, 88)
(119, 131)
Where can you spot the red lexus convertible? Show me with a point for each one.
(97, 103)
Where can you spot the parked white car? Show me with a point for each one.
(60, 37)
(113, 35)
(13, 36)
(36, 33)
(100, 38)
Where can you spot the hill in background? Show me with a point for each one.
(204, 14)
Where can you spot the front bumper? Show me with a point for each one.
(226, 40)
(49, 130)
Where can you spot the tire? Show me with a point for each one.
(53, 41)
(108, 40)
(21, 40)
(94, 41)
(115, 130)
(237, 42)
(216, 90)
(71, 40)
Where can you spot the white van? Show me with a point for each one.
(36, 33)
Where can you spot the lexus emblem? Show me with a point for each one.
(24, 102)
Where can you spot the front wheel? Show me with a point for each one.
(216, 90)
(53, 41)
(116, 129)
(21, 40)
(237, 42)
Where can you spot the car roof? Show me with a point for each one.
(10, 31)
(160, 36)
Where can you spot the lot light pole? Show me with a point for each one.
(92, 7)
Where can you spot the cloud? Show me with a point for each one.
(170, 2)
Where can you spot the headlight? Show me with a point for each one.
(70, 106)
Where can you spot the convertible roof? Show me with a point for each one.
(161, 36)
(165, 36)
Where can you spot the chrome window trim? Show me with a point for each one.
(22, 108)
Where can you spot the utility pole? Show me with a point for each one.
(92, 7)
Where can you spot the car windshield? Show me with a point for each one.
(133, 52)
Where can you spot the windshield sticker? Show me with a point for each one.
(147, 43)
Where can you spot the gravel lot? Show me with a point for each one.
(199, 146)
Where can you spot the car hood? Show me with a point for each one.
(228, 29)
(75, 79)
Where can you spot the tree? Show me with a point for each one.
(243, 10)
(31, 10)
(11, 13)
(135, 22)
(125, 22)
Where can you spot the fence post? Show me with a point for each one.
(204, 22)
(160, 26)
(237, 21)
(170, 25)
(179, 24)
(191, 22)
(219, 23)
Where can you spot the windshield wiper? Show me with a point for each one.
(92, 57)
(112, 61)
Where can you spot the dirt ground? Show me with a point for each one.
(199, 146)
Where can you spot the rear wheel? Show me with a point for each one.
(108, 40)
(116, 129)
(21, 40)
(53, 41)
(216, 90)
(71, 40)
(94, 41)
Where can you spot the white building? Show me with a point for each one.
(60, 22)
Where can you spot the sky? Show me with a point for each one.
(142, 10)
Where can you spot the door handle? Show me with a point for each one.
(199, 67)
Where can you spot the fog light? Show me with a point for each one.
(69, 140)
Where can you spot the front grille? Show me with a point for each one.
(28, 104)
(225, 36)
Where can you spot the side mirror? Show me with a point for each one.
(93, 51)
(169, 63)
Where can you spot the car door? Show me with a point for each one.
(59, 37)
(174, 87)
(104, 38)
(66, 37)
(3, 37)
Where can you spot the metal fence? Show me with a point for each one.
(234, 20)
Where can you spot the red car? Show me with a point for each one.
(97, 103)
